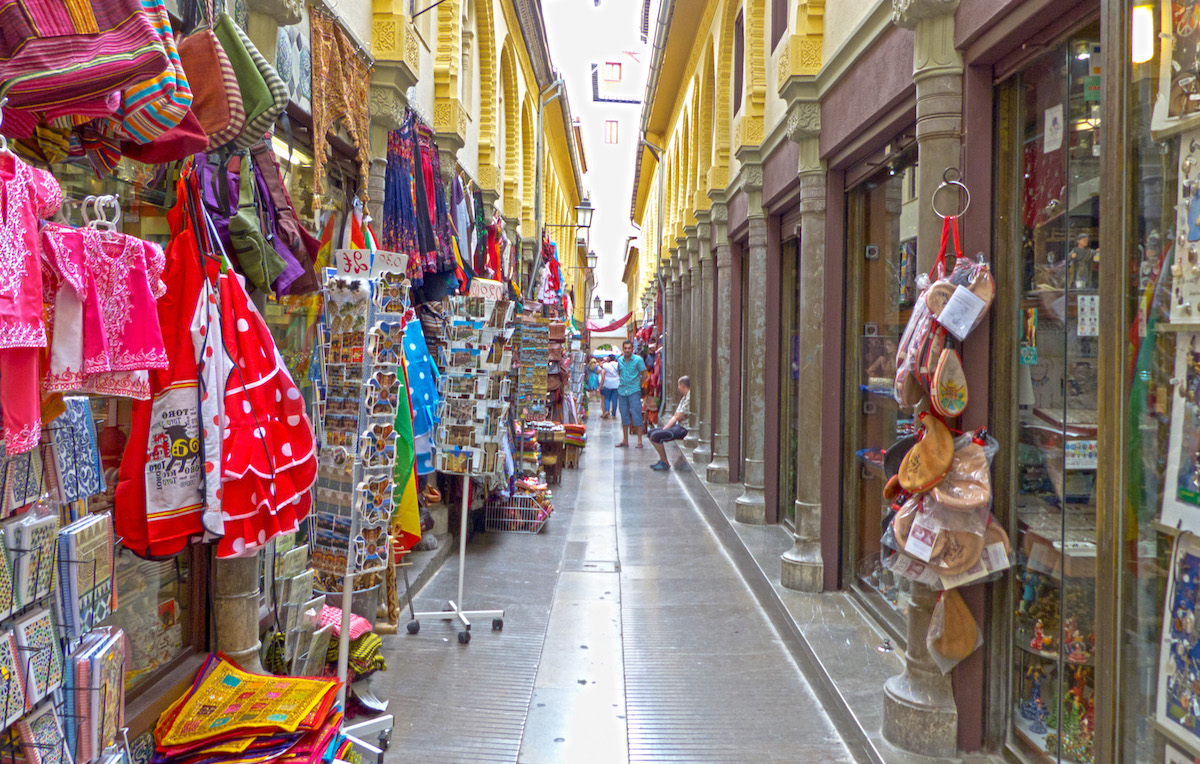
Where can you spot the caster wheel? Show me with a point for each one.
(414, 627)
(497, 624)
(464, 637)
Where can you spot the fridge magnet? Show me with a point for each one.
(1178, 704)
(1177, 105)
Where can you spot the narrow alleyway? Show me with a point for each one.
(629, 636)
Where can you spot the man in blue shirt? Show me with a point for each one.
(632, 372)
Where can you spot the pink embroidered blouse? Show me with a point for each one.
(26, 194)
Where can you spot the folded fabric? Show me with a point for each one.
(333, 616)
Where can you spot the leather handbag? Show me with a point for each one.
(53, 53)
(216, 100)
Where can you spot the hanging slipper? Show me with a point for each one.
(929, 460)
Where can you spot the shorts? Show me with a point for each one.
(631, 409)
(674, 432)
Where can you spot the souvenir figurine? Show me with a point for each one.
(1078, 648)
(1039, 641)
(1039, 716)
(1030, 708)
(1029, 594)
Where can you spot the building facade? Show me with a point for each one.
(802, 160)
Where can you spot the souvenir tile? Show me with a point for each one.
(378, 445)
(386, 342)
(383, 393)
(391, 294)
(42, 739)
(375, 500)
(371, 548)
(40, 654)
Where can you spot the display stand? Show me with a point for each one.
(453, 609)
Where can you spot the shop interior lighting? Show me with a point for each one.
(1141, 29)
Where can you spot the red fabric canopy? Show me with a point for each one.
(595, 327)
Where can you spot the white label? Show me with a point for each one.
(1052, 137)
(997, 557)
(961, 312)
(352, 262)
(1088, 324)
(384, 261)
(921, 538)
(1080, 454)
(487, 289)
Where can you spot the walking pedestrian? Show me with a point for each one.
(608, 389)
(632, 371)
(674, 429)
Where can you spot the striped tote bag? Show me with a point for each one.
(154, 106)
(217, 101)
(57, 52)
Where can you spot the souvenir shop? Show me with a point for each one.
(194, 302)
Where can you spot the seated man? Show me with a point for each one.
(674, 429)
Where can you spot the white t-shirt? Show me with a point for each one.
(612, 377)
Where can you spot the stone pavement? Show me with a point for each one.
(629, 636)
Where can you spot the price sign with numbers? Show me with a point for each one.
(352, 262)
(388, 262)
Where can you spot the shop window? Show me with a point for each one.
(611, 127)
(1049, 185)
(739, 60)
(881, 247)
(789, 371)
(607, 307)
(612, 72)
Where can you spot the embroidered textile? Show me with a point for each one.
(339, 91)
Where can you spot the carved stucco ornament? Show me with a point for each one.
(907, 13)
(285, 12)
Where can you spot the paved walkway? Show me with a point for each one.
(629, 636)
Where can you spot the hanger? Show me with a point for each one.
(99, 220)
(3, 139)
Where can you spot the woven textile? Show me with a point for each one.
(332, 616)
(340, 82)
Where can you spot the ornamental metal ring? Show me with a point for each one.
(951, 184)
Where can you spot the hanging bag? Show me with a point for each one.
(154, 106)
(216, 98)
(53, 53)
(256, 258)
(258, 98)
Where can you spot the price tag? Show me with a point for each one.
(1080, 454)
(1088, 315)
(961, 312)
(352, 262)
(388, 262)
(921, 538)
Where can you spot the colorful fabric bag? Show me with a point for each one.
(216, 101)
(257, 98)
(154, 106)
(53, 53)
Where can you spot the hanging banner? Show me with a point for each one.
(595, 327)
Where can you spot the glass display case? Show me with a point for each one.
(881, 288)
(1048, 251)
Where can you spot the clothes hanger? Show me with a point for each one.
(3, 139)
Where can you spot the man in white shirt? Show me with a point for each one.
(608, 388)
(673, 429)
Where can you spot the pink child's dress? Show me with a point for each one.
(106, 330)
(26, 194)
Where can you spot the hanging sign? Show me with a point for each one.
(388, 262)
(352, 262)
(487, 289)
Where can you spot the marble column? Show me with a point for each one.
(802, 566)
(702, 380)
(235, 610)
(693, 330)
(670, 350)
(686, 325)
(751, 506)
(919, 712)
(718, 466)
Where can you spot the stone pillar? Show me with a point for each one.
(751, 506)
(919, 713)
(235, 610)
(670, 350)
(686, 327)
(802, 566)
(718, 466)
(375, 189)
(693, 331)
(703, 315)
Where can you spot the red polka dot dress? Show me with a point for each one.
(268, 450)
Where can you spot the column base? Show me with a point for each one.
(702, 453)
(690, 441)
(799, 571)
(751, 507)
(717, 470)
(919, 715)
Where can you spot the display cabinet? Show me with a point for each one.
(1048, 197)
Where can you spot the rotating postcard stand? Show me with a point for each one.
(474, 392)
(360, 356)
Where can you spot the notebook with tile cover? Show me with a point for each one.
(8, 599)
(23, 483)
(85, 562)
(79, 694)
(33, 545)
(42, 739)
(107, 689)
(40, 654)
(76, 451)
(12, 682)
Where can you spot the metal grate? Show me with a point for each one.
(519, 514)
